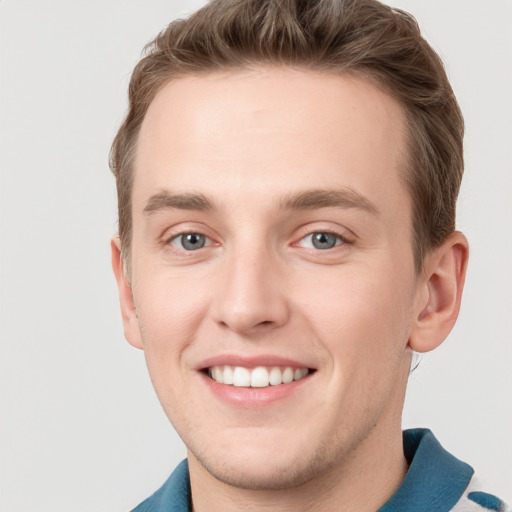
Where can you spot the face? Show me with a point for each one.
(272, 272)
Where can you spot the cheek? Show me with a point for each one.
(167, 302)
(168, 319)
(169, 311)
(360, 315)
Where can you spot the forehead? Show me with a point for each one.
(303, 128)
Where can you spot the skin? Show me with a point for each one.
(247, 141)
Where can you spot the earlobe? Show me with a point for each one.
(439, 294)
(128, 310)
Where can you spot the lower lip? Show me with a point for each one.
(253, 397)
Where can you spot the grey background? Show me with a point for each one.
(80, 427)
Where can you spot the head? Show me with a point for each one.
(287, 176)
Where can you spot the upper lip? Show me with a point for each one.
(249, 361)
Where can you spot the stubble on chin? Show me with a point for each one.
(301, 470)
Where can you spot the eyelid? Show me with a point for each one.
(332, 228)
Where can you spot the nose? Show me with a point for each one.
(252, 298)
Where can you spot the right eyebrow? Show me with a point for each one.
(165, 200)
(324, 198)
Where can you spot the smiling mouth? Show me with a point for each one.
(259, 377)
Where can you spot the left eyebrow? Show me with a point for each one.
(321, 198)
(185, 201)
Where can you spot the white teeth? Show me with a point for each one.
(287, 375)
(228, 375)
(259, 377)
(275, 376)
(300, 373)
(218, 374)
(241, 377)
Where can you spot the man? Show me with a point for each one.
(287, 177)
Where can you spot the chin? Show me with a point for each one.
(264, 470)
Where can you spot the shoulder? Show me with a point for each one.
(173, 496)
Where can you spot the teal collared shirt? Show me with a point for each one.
(436, 481)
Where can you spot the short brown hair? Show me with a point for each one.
(360, 37)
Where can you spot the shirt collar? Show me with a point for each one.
(436, 479)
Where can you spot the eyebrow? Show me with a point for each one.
(320, 198)
(185, 201)
(306, 200)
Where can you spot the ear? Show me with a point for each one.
(128, 311)
(439, 293)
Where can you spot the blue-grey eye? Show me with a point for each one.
(321, 240)
(324, 240)
(190, 241)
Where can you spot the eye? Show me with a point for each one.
(190, 241)
(321, 240)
